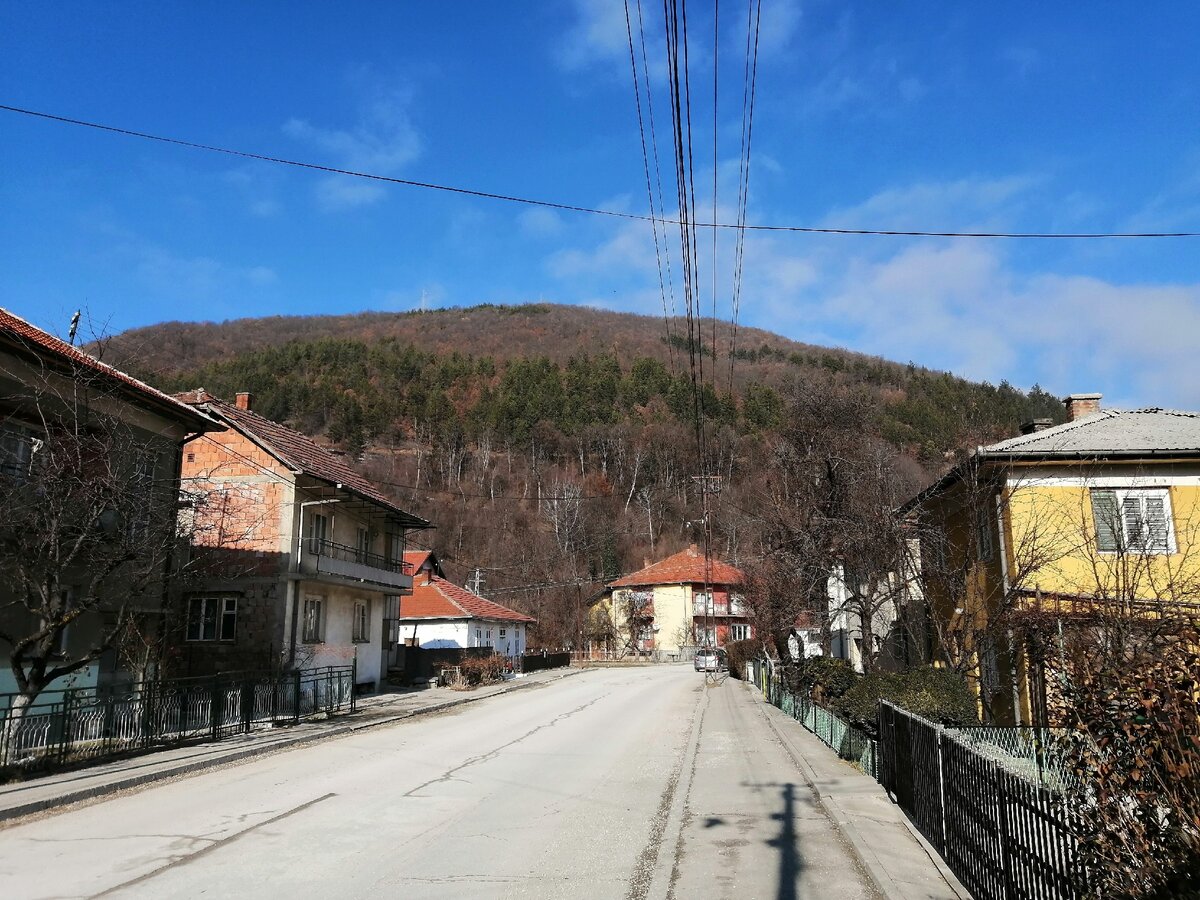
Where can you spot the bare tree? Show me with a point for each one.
(89, 530)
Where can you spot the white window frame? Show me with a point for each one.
(739, 631)
(312, 629)
(211, 620)
(362, 543)
(18, 447)
(1144, 546)
(503, 632)
(361, 626)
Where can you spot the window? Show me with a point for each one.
(141, 491)
(362, 543)
(318, 532)
(1135, 520)
(739, 632)
(314, 620)
(503, 632)
(706, 637)
(361, 631)
(395, 548)
(983, 537)
(17, 449)
(702, 603)
(212, 619)
(737, 605)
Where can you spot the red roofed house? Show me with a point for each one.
(672, 611)
(302, 557)
(439, 613)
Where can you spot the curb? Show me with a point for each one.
(862, 849)
(192, 768)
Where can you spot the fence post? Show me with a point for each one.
(296, 698)
(65, 741)
(215, 704)
(247, 704)
(354, 685)
(1002, 830)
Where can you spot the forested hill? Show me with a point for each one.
(555, 447)
(358, 378)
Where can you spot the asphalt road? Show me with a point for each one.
(625, 783)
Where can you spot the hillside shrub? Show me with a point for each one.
(935, 694)
(738, 653)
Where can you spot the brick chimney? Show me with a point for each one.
(1080, 405)
(244, 400)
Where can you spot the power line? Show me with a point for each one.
(570, 207)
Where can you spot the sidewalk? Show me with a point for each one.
(902, 864)
(23, 798)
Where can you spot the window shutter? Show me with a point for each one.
(1104, 511)
(1135, 524)
(1156, 525)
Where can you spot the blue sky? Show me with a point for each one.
(870, 115)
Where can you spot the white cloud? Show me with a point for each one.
(382, 142)
(964, 204)
(539, 222)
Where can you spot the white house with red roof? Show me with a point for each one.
(676, 604)
(439, 613)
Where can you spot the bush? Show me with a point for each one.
(935, 694)
(482, 670)
(823, 678)
(738, 653)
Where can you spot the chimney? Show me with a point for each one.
(1035, 425)
(693, 549)
(1080, 405)
(244, 400)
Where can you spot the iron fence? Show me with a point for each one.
(1005, 835)
(850, 743)
(89, 724)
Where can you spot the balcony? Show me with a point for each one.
(348, 565)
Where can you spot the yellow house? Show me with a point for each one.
(673, 606)
(1050, 535)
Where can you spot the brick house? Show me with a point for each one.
(676, 605)
(298, 559)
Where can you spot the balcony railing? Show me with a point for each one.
(341, 561)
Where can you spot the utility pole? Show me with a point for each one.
(475, 585)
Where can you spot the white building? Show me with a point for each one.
(439, 614)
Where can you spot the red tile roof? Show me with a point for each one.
(299, 452)
(437, 598)
(30, 340)
(685, 567)
(414, 559)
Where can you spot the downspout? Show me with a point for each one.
(1002, 549)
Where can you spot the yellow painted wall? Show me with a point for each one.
(1054, 538)
(672, 612)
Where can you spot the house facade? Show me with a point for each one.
(90, 478)
(297, 560)
(675, 605)
(440, 614)
(1032, 544)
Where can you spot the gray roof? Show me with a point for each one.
(1108, 433)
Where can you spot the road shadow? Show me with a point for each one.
(790, 862)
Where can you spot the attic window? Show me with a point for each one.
(191, 457)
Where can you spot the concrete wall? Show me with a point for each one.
(337, 648)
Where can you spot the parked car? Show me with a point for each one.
(711, 659)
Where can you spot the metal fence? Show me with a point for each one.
(1006, 836)
(90, 724)
(850, 743)
(533, 662)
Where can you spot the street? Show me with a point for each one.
(625, 783)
